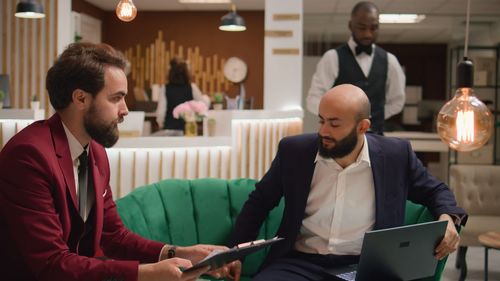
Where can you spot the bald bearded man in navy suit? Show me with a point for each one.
(337, 185)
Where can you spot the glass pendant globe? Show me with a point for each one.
(464, 123)
(126, 10)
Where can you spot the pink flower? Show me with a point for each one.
(199, 107)
(189, 109)
(180, 110)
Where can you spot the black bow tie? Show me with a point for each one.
(367, 49)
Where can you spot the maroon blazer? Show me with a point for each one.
(39, 217)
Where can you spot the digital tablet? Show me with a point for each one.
(219, 258)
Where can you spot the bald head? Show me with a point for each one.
(351, 99)
(364, 6)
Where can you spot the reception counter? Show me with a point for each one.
(243, 145)
(14, 120)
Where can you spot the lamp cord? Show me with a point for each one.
(466, 45)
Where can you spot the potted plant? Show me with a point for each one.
(218, 100)
(35, 103)
(2, 96)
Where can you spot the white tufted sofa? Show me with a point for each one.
(477, 190)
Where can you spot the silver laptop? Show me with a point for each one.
(399, 253)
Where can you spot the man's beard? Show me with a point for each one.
(98, 130)
(342, 147)
(360, 43)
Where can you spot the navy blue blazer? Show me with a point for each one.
(398, 175)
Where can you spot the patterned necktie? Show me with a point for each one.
(83, 184)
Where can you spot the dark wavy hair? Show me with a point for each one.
(179, 72)
(80, 66)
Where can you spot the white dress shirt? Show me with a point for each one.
(161, 108)
(340, 207)
(327, 72)
(76, 150)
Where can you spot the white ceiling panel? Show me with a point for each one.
(444, 18)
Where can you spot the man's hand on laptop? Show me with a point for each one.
(450, 240)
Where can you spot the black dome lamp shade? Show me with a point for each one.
(232, 21)
(30, 9)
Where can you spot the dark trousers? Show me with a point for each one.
(298, 266)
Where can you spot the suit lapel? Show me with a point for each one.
(99, 186)
(303, 182)
(378, 170)
(61, 147)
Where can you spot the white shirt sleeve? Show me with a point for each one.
(395, 87)
(161, 108)
(326, 72)
(199, 96)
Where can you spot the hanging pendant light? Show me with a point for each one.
(29, 9)
(232, 21)
(126, 10)
(465, 123)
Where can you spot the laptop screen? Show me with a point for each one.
(402, 253)
(399, 253)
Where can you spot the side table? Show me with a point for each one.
(490, 240)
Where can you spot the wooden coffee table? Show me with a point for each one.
(490, 240)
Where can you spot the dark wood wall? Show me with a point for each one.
(191, 29)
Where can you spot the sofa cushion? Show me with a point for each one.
(203, 211)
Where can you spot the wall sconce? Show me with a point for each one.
(232, 21)
(126, 10)
(29, 9)
(465, 123)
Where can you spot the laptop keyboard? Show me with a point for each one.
(349, 276)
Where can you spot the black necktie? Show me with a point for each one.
(83, 184)
(367, 49)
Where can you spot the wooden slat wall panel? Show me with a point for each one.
(27, 50)
(150, 64)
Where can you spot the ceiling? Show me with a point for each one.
(328, 19)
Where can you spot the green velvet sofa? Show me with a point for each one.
(187, 212)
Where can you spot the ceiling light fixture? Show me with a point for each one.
(126, 10)
(232, 21)
(401, 18)
(29, 9)
(465, 123)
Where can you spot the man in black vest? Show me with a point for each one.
(360, 62)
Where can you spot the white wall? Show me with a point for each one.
(309, 67)
(64, 28)
(283, 73)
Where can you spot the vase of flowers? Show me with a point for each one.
(191, 112)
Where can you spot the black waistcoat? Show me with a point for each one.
(374, 85)
(82, 234)
(176, 94)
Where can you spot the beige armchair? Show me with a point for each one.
(477, 190)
